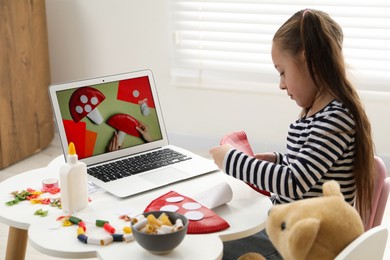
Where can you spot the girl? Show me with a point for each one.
(331, 139)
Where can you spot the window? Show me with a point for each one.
(227, 44)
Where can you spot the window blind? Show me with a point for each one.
(227, 44)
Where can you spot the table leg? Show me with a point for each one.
(16, 245)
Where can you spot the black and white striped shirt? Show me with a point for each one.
(319, 148)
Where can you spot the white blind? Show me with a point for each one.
(227, 44)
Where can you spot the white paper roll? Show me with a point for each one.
(215, 196)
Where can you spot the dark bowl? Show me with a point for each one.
(161, 243)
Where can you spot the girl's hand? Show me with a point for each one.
(218, 153)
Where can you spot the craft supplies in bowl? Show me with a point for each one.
(160, 232)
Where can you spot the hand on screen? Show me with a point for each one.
(113, 144)
(144, 131)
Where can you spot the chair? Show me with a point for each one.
(380, 196)
(370, 245)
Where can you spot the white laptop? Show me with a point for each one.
(119, 117)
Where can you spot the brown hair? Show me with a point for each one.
(320, 38)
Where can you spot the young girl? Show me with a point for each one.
(330, 141)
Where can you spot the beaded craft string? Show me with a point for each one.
(111, 236)
(149, 224)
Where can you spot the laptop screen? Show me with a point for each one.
(115, 114)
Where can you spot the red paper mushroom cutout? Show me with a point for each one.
(124, 124)
(84, 102)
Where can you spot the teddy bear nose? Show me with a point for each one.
(283, 226)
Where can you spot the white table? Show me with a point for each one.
(246, 214)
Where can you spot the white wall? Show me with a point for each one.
(91, 38)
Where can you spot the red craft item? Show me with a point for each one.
(124, 123)
(209, 223)
(136, 90)
(90, 141)
(239, 141)
(76, 133)
(84, 102)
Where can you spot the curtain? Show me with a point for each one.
(227, 44)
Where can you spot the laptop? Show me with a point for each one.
(118, 118)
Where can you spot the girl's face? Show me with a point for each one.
(294, 77)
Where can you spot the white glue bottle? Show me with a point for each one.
(73, 183)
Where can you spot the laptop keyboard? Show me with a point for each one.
(136, 164)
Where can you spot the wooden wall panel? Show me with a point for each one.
(26, 118)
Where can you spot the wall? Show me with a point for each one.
(98, 37)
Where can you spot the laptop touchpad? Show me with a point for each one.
(165, 176)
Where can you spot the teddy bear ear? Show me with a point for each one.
(331, 188)
(303, 235)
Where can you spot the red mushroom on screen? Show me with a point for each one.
(84, 102)
(125, 125)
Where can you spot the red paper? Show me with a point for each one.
(124, 123)
(239, 141)
(210, 223)
(76, 133)
(135, 90)
(90, 141)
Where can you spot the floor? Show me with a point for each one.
(42, 159)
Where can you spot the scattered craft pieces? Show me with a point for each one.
(56, 202)
(66, 223)
(127, 230)
(110, 229)
(33, 196)
(13, 202)
(41, 212)
(125, 218)
(74, 220)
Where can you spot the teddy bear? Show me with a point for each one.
(314, 228)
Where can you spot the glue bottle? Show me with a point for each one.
(73, 183)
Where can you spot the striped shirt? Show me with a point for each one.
(319, 148)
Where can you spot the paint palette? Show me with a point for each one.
(201, 219)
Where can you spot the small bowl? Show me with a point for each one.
(161, 243)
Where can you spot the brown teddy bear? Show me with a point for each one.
(315, 228)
